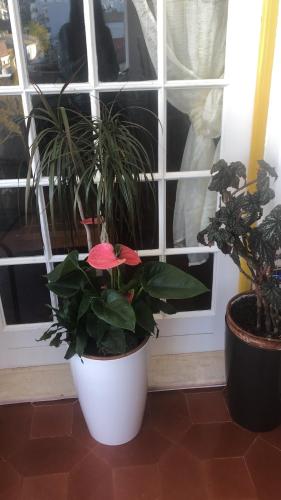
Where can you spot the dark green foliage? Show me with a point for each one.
(96, 319)
(235, 231)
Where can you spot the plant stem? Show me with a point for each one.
(86, 227)
(247, 184)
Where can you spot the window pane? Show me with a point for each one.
(202, 271)
(13, 140)
(148, 220)
(140, 107)
(126, 38)
(54, 39)
(8, 70)
(189, 206)
(63, 235)
(196, 34)
(193, 128)
(18, 238)
(24, 294)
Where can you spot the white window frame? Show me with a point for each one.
(17, 342)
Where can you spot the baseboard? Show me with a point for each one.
(49, 382)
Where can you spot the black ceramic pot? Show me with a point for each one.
(253, 371)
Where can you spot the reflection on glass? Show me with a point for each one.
(203, 272)
(196, 35)
(24, 294)
(139, 107)
(8, 70)
(63, 235)
(148, 220)
(193, 128)
(54, 39)
(126, 38)
(18, 238)
(13, 140)
(189, 206)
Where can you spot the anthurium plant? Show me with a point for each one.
(236, 230)
(110, 312)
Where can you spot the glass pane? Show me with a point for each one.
(13, 140)
(54, 39)
(8, 70)
(24, 294)
(202, 271)
(189, 206)
(126, 38)
(18, 238)
(79, 103)
(139, 107)
(196, 34)
(193, 128)
(148, 220)
(64, 235)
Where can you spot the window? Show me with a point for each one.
(167, 56)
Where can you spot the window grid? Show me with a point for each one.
(93, 87)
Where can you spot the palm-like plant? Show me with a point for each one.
(94, 165)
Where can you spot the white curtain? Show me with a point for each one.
(196, 32)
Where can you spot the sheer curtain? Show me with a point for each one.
(196, 32)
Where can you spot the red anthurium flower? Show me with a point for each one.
(131, 257)
(102, 256)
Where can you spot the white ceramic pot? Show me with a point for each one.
(112, 394)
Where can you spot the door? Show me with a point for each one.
(190, 62)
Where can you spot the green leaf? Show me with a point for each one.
(271, 227)
(91, 324)
(66, 287)
(56, 341)
(144, 316)
(165, 281)
(81, 342)
(84, 305)
(117, 312)
(268, 168)
(69, 265)
(272, 293)
(113, 342)
(226, 176)
(261, 249)
(71, 351)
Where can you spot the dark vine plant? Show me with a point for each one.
(235, 230)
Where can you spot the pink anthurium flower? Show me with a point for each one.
(131, 257)
(103, 256)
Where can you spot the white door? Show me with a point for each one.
(168, 56)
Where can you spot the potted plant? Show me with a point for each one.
(253, 319)
(106, 302)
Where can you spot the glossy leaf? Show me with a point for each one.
(165, 281)
(118, 312)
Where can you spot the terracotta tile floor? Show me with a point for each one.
(188, 449)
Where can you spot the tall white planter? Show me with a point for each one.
(112, 394)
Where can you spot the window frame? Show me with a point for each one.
(161, 85)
